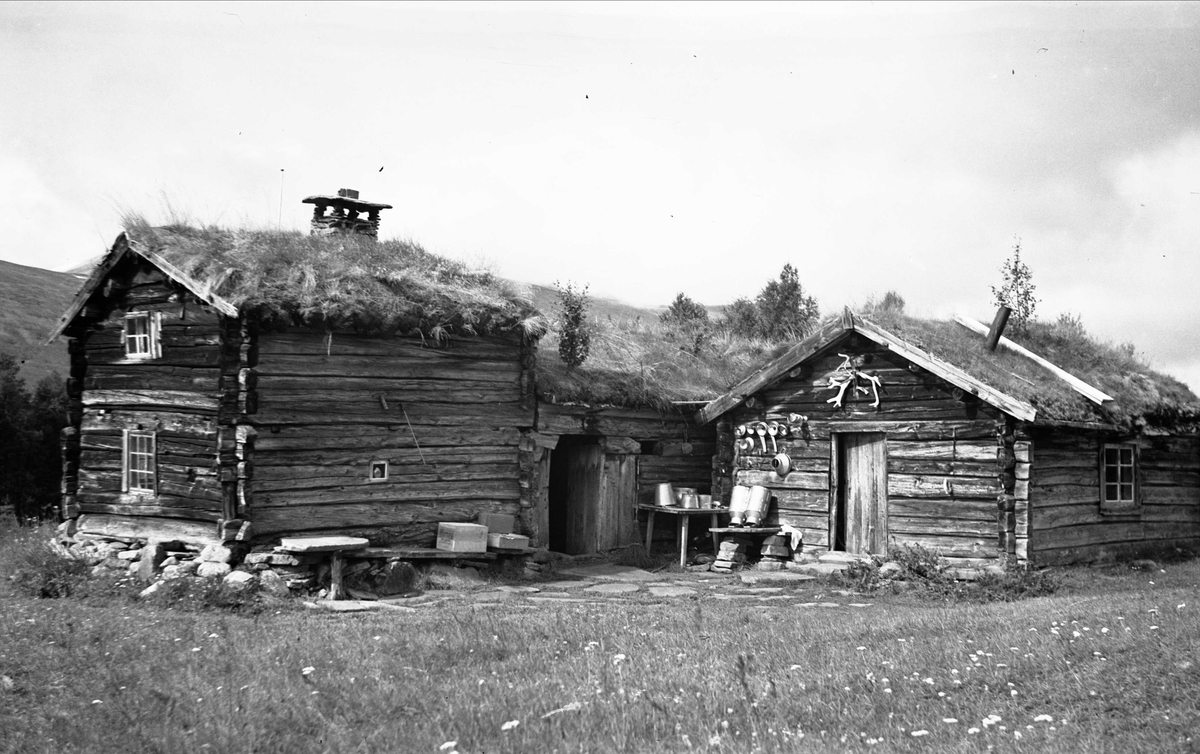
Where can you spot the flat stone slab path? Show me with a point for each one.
(599, 583)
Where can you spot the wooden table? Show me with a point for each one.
(681, 533)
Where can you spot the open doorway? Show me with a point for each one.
(576, 466)
(858, 504)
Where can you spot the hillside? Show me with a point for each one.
(32, 301)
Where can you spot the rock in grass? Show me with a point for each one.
(239, 579)
(153, 555)
(150, 590)
(210, 570)
(216, 554)
(273, 584)
(890, 570)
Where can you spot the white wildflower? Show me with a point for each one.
(510, 725)
(448, 745)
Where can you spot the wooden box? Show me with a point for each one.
(498, 541)
(498, 523)
(462, 537)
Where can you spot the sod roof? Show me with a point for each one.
(1142, 397)
(343, 280)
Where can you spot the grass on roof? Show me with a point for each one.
(1142, 397)
(390, 286)
(637, 362)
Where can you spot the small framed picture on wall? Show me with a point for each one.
(379, 471)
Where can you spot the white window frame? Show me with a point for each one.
(139, 463)
(146, 345)
(1119, 488)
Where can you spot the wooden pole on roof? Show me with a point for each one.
(1001, 319)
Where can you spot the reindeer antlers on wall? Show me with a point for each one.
(848, 374)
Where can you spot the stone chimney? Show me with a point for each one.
(343, 214)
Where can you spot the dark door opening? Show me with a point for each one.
(576, 465)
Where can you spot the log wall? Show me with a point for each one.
(1066, 525)
(942, 449)
(447, 419)
(642, 448)
(176, 395)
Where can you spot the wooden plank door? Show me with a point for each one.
(585, 464)
(858, 515)
(616, 524)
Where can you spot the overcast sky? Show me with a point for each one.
(645, 149)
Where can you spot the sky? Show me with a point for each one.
(645, 149)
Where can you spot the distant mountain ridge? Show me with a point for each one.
(31, 302)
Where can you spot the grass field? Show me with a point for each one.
(1110, 663)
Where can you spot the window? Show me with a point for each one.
(1118, 478)
(139, 465)
(141, 335)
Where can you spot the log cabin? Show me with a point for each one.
(261, 385)
(242, 384)
(891, 430)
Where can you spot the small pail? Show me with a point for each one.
(759, 504)
(680, 492)
(690, 500)
(739, 501)
(705, 501)
(664, 496)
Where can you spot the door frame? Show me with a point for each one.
(838, 503)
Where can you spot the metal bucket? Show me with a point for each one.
(689, 500)
(664, 495)
(758, 505)
(739, 501)
(681, 492)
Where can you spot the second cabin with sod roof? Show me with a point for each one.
(259, 384)
(906, 431)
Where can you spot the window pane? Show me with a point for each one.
(1111, 492)
(1127, 493)
(1110, 456)
(1112, 474)
(1126, 456)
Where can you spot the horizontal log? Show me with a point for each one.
(344, 516)
(190, 514)
(198, 380)
(148, 527)
(282, 461)
(797, 501)
(943, 508)
(275, 479)
(197, 356)
(797, 480)
(905, 526)
(819, 464)
(957, 469)
(930, 486)
(909, 430)
(168, 399)
(288, 368)
(350, 438)
(175, 422)
(952, 547)
(271, 410)
(337, 397)
(387, 494)
(982, 451)
(1084, 535)
(674, 448)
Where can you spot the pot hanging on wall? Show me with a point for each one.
(781, 464)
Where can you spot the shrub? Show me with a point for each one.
(42, 568)
(687, 321)
(781, 311)
(575, 337)
(1017, 291)
(917, 562)
(195, 595)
